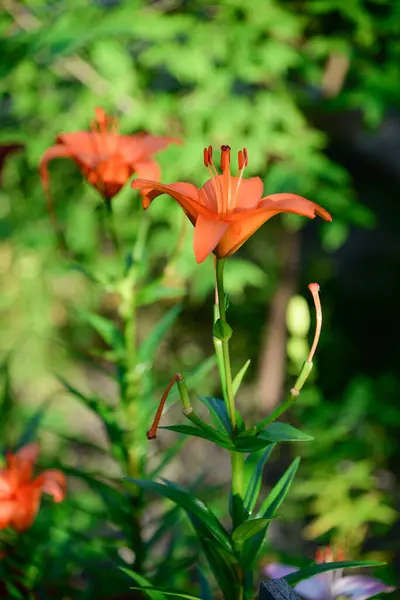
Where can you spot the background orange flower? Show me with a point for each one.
(20, 492)
(106, 158)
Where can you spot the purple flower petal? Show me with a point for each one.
(314, 588)
(359, 587)
(277, 570)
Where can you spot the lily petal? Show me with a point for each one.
(84, 144)
(7, 508)
(7, 483)
(249, 192)
(207, 234)
(186, 194)
(243, 193)
(240, 231)
(294, 204)
(360, 587)
(52, 482)
(148, 169)
(22, 462)
(27, 502)
(142, 147)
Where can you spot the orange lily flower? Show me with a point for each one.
(106, 158)
(227, 210)
(20, 493)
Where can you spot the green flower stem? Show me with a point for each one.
(111, 228)
(131, 391)
(228, 395)
(237, 458)
(293, 395)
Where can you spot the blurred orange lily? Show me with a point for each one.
(20, 493)
(227, 210)
(106, 158)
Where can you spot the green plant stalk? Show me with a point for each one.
(111, 228)
(237, 458)
(293, 395)
(129, 384)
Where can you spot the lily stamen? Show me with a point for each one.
(243, 161)
(152, 432)
(226, 179)
(314, 289)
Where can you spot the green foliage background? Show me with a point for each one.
(248, 74)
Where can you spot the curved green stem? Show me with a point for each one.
(237, 458)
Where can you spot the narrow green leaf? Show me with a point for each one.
(144, 583)
(31, 429)
(283, 432)
(312, 570)
(268, 509)
(166, 457)
(218, 413)
(167, 522)
(150, 345)
(224, 564)
(154, 292)
(201, 433)
(151, 590)
(249, 529)
(279, 491)
(239, 377)
(92, 402)
(254, 484)
(105, 328)
(205, 589)
(192, 505)
(6, 403)
(250, 443)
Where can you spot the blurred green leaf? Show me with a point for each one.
(283, 432)
(239, 377)
(151, 343)
(306, 572)
(249, 529)
(216, 438)
(218, 413)
(192, 506)
(254, 484)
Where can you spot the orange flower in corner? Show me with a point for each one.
(20, 492)
(106, 158)
(227, 210)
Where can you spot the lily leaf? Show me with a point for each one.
(216, 438)
(239, 377)
(150, 345)
(192, 505)
(144, 583)
(268, 509)
(312, 570)
(254, 484)
(106, 329)
(250, 443)
(283, 432)
(249, 529)
(151, 590)
(218, 413)
(279, 491)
